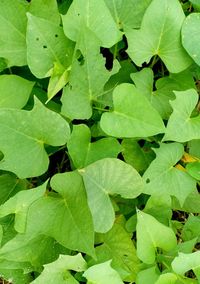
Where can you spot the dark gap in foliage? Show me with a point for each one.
(190, 274)
(180, 216)
(107, 54)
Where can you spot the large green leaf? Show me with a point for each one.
(127, 13)
(118, 246)
(14, 91)
(109, 177)
(83, 152)
(27, 132)
(149, 276)
(160, 34)
(46, 45)
(126, 120)
(92, 76)
(185, 262)
(151, 235)
(47, 9)
(58, 271)
(181, 126)
(102, 273)
(19, 205)
(162, 178)
(66, 217)
(13, 23)
(191, 27)
(96, 16)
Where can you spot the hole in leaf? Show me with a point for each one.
(78, 14)
(56, 35)
(1, 156)
(37, 38)
(147, 180)
(80, 57)
(108, 56)
(44, 46)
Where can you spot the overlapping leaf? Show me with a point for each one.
(126, 120)
(160, 34)
(181, 126)
(150, 235)
(96, 16)
(27, 132)
(83, 152)
(162, 178)
(14, 91)
(13, 23)
(109, 177)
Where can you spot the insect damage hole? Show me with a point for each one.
(44, 46)
(56, 35)
(37, 38)
(147, 180)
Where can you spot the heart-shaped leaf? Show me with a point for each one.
(126, 119)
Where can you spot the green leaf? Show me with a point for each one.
(136, 156)
(58, 271)
(21, 250)
(161, 25)
(27, 132)
(128, 13)
(19, 205)
(16, 276)
(126, 119)
(191, 26)
(46, 9)
(167, 278)
(14, 91)
(83, 152)
(118, 246)
(185, 262)
(102, 273)
(194, 169)
(191, 228)
(191, 204)
(96, 16)
(151, 235)
(13, 23)
(149, 276)
(181, 126)
(92, 76)
(10, 185)
(163, 178)
(109, 177)
(46, 45)
(165, 86)
(65, 217)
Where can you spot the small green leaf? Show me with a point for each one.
(102, 273)
(163, 178)
(83, 152)
(13, 24)
(19, 205)
(46, 45)
(96, 16)
(191, 26)
(14, 91)
(58, 271)
(185, 262)
(27, 132)
(126, 119)
(181, 126)
(161, 25)
(194, 169)
(151, 235)
(118, 246)
(167, 278)
(109, 177)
